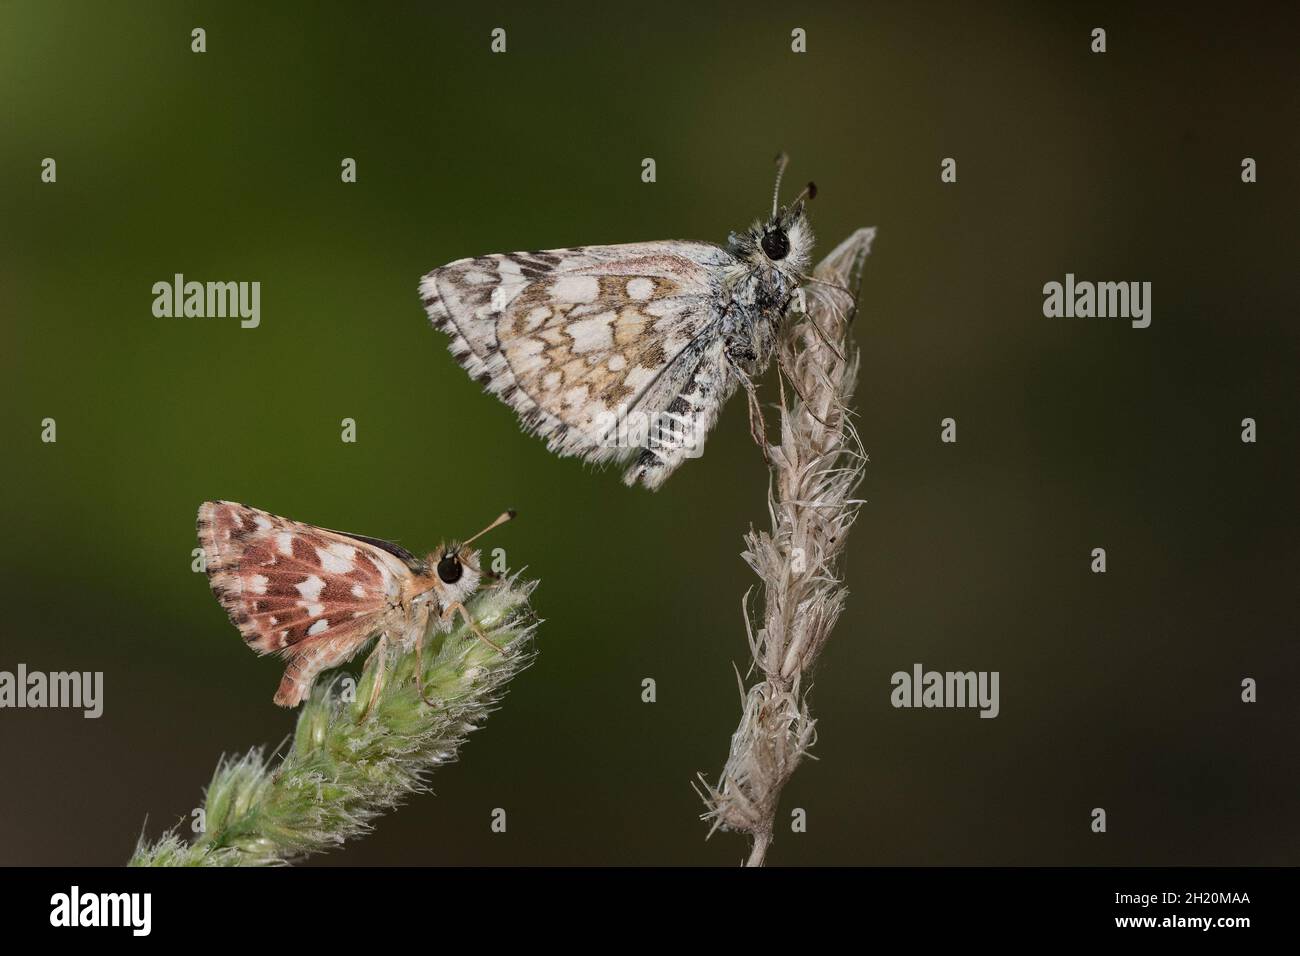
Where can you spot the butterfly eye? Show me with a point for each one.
(776, 244)
(449, 569)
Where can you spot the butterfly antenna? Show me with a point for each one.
(500, 520)
(782, 160)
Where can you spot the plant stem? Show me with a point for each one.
(816, 467)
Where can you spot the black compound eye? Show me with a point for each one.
(450, 569)
(776, 244)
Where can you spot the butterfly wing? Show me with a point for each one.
(310, 595)
(577, 340)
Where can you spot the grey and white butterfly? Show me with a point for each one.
(625, 351)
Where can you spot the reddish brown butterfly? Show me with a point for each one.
(315, 596)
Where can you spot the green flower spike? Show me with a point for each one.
(346, 767)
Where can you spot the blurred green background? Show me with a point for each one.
(1119, 691)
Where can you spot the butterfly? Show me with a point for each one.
(315, 596)
(626, 352)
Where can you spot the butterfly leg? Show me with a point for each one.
(419, 672)
(757, 425)
(455, 607)
(787, 375)
(381, 648)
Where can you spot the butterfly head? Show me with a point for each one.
(784, 240)
(456, 573)
(456, 570)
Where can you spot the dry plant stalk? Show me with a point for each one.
(815, 471)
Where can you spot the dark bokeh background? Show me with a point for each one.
(1119, 691)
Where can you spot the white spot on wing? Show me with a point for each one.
(575, 396)
(593, 334)
(640, 288)
(337, 558)
(321, 625)
(575, 289)
(310, 589)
